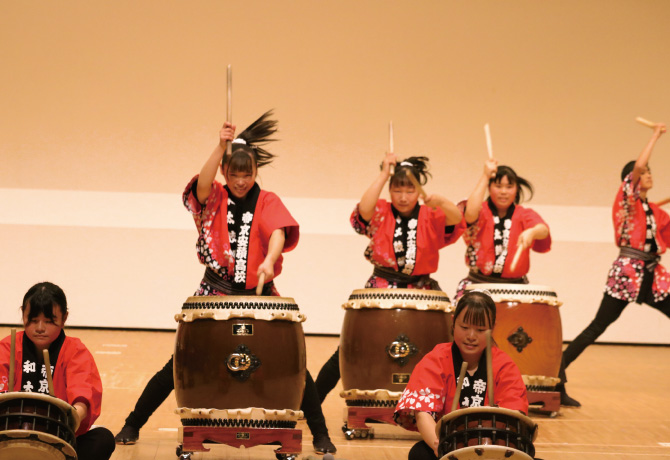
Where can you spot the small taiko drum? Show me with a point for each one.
(34, 426)
(483, 433)
(528, 329)
(385, 333)
(237, 352)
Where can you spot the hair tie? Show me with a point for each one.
(239, 140)
(406, 163)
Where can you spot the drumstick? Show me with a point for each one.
(12, 361)
(391, 150)
(47, 366)
(488, 140)
(261, 282)
(229, 108)
(517, 256)
(459, 385)
(489, 368)
(663, 202)
(647, 123)
(416, 184)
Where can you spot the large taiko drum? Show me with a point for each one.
(238, 352)
(484, 433)
(528, 329)
(36, 427)
(385, 334)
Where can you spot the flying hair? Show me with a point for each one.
(255, 136)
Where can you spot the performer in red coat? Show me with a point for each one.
(498, 226)
(242, 232)
(405, 237)
(432, 386)
(642, 232)
(75, 376)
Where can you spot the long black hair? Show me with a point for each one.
(249, 150)
(513, 178)
(42, 298)
(418, 166)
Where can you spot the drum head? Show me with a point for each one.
(33, 445)
(486, 453)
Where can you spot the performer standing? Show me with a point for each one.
(243, 231)
(405, 237)
(431, 389)
(498, 228)
(642, 232)
(75, 376)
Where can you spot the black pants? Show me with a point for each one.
(421, 451)
(161, 385)
(610, 309)
(95, 444)
(328, 376)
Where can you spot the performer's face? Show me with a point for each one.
(646, 181)
(502, 193)
(404, 198)
(239, 182)
(41, 330)
(469, 338)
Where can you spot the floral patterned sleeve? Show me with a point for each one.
(201, 214)
(364, 227)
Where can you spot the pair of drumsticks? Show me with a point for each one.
(489, 375)
(12, 365)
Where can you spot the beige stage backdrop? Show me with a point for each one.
(109, 108)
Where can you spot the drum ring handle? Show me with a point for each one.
(401, 349)
(241, 363)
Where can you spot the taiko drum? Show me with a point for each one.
(238, 352)
(386, 332)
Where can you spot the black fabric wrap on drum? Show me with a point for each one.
(650, 260)
(393, 276)
(226, 287)
(479, 278)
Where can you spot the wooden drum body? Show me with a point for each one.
(36, 427)
(486, 433)
(528, 328)
(237, 352)
(385, 334)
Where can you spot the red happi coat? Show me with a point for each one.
(630, 230)
(212, 224)
(431, 237)
(75, 376)
(480, 254)
(432, 386)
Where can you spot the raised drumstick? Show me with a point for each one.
(647, 123)
(391, 144)
(489, 368)
(12, 361)
(663, 202)
(416, 184)
(261, 282)
(229, 106)
(47, 366)
(489, 148)
(459, 385)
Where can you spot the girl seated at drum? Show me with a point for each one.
(75, 376)
(432, 386)
(243, 231)
(405, 237)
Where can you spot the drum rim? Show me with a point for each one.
(511, 286)
(237, 298)
(47, 439)
(400, 291)
(489, 447)
(486, 409)
(69, 409)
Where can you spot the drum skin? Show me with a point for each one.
(203, 379)
(367, 332)
(542, 325)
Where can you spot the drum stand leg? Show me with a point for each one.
(290, 440)
(550, 401)
(355, 426)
